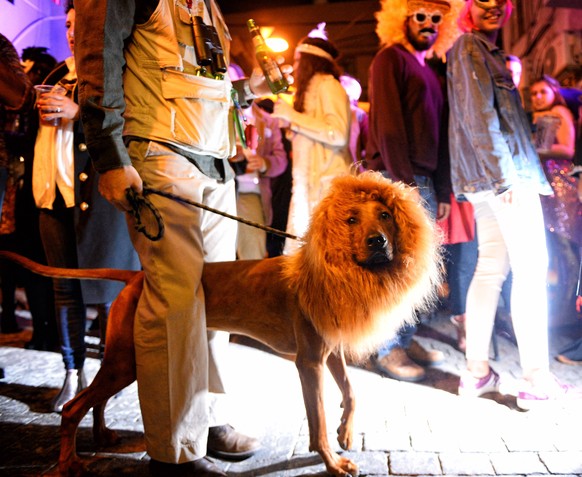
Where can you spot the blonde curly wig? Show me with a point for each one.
(392, 18)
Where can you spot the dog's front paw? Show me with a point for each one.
(339, 466)
(345, 433)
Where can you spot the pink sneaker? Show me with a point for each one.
(549, 391)
(476, 387)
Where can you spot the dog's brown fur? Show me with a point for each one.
(370, 259)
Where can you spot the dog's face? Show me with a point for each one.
(372, 233)
(361, 222)
(369, 261)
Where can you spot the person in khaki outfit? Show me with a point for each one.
(154, 115)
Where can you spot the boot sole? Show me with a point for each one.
(408, 379)
(230, 455)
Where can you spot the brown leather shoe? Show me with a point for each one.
(397, 365)
(225, 442)
(564, 359)
(197, 468)
(423, 356)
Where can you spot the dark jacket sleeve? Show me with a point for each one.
(442, 174)
(16, 91)
(101, 28)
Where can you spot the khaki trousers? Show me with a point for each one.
(177, 360)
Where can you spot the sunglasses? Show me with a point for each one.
(489, 4)
(421, 16)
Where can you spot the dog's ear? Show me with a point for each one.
(324, 234)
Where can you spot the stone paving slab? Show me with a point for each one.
(402, 429)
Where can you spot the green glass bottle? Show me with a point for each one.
(275, 79)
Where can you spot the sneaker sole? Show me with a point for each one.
(532, 404)
(476, 394)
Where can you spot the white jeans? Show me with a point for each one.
(510, 235)
(177, 368)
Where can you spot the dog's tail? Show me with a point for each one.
(83, 273)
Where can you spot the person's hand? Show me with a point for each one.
(239, 155)
(443, 211)
(56, 105)
(113, 185)
(258, 83)
(287, 71)
(254, 161)
(283, 111)
(579, 304)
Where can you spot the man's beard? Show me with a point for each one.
(421, 43)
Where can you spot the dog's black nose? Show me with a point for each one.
(376, 242)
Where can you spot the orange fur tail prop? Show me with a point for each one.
(356, 305)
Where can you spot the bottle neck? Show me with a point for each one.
(258, 39)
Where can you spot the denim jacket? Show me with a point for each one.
(489, 133)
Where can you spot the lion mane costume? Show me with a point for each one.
(359, 307)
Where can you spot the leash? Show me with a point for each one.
(141, 203)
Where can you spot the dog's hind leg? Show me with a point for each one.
(312, 354)
(117, 371)
(336, 363)
(95, 396)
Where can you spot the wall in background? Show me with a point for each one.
(35, 23)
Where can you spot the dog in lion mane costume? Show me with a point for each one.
(369, 261)
(385, 297)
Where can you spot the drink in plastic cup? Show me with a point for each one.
(48, 88)
(545, 135)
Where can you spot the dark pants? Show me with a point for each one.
(460, 259)
(404, 337)
(58, 237)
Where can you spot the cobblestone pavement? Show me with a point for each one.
(401, 429)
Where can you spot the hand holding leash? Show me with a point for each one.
(114, 183)
(145, 214)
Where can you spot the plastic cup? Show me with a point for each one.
(48, 88)
(545, 135)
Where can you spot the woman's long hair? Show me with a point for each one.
(310, 65)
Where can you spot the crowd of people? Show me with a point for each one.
(492, 177)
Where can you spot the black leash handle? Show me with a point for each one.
(137, 201)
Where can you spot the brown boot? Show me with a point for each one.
(423, 356)
(226, 443)
(397, 365)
